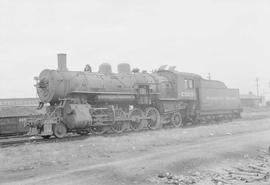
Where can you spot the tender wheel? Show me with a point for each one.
(176, 120)
(119, 126)
(153, 118)
(230, 117)
(98, 130)
(196, 120)
(136, 116)
(46, 137)
(59, 130)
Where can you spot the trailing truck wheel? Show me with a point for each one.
(176, 120)
(59, 130)
(153, 118)
(136, 116)
(119, 126)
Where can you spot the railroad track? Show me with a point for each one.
(20, 140)
(36, 140)
(16, 141)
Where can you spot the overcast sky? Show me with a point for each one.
(229, 39)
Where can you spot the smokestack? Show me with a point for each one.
(62, 62)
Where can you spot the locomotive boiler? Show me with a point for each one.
(98, 102)
(54, 85)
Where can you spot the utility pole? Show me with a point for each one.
(209, 76)
(257, 85)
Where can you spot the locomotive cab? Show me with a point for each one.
(180, 86)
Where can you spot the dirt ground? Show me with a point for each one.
(138, 158)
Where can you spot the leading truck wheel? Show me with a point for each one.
(153, 118)
(59, 130)
(176, 120)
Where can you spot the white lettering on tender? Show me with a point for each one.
(187, 94)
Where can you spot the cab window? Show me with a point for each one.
(189, 84)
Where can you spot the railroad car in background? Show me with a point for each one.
(98, 102)
(13, 118)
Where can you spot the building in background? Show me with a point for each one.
(27, 102)
(266, 94)
(250, 100)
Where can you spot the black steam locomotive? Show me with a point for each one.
(86, 101)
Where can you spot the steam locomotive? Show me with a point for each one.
(98, 102)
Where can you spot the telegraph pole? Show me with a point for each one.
(257, 85)
(209, 76)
